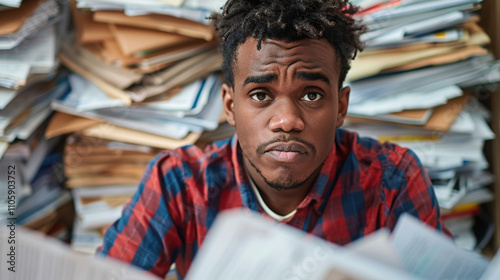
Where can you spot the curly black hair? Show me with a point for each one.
(288, 20)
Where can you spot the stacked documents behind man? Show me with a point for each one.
(149, 74)
(102, 176)
(144, 79)
(420, 83)
(155, 52)
(29, 80)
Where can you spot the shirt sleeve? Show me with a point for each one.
(409, 190)
(145, 235)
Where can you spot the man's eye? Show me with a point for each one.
(311, 96)
(260, 96)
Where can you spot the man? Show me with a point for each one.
(285, 63)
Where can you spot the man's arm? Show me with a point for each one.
(145, 235)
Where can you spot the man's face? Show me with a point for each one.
(285, 106)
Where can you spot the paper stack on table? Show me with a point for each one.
(420, 83)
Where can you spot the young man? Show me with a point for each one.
(285, 63)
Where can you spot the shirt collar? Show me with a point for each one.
(318, 195)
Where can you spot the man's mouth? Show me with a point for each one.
(287, 152)
(288, 147)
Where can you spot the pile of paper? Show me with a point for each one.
(28, 47)
(151, 73)
(48, 208)
(164, 123)
(102, 176)
(33, 174)
(29, 80)
(144, 77)
(243, 245)
(418, 83)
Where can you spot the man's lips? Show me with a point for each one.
(293, 147)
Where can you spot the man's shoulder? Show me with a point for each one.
(190, 166)
(368, 149)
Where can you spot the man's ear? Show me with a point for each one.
(343, 104)
(228, 103)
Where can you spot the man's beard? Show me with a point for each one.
(284, 183)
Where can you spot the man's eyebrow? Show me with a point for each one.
(261, 79)
(312, 76)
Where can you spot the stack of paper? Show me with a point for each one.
(28, 41)
(102, 176)
(133, 58)
(29, 80)
(32, 193)
(145, 69)
(165, 123)
(48, 208)
(28, 66)
(417, 84)
(144, 79)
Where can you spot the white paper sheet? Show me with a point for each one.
(433, 256)
(40, 258)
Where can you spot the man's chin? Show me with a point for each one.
(282, 177)
(282, 186)
(285, 181)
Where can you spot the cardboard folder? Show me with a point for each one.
(158, 22)
(455, 56)
(111, 90)
(132, 39)
(11, 20)
(62, 123)
(110, 52)
(442, 117)
(116, 133)
(89, 31)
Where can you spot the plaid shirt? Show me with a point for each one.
(363, 186)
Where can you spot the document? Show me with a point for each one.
(3, 147)
(6, 96)
(409, 100)
(242, 245)
(38, 52)
(246, 245)
(13, 74)
(413, 8)
(34, 256)
(11, 3)
(432, 256)
(151, 3)
(493, 270)
(195, 15)
(158, 22)
(11, 20)
(45, 14)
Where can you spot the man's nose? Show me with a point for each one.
(286, 116)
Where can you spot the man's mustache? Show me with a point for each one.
(284, 138)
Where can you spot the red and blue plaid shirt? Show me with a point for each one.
(363, 186)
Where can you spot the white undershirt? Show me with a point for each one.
(271, 213)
